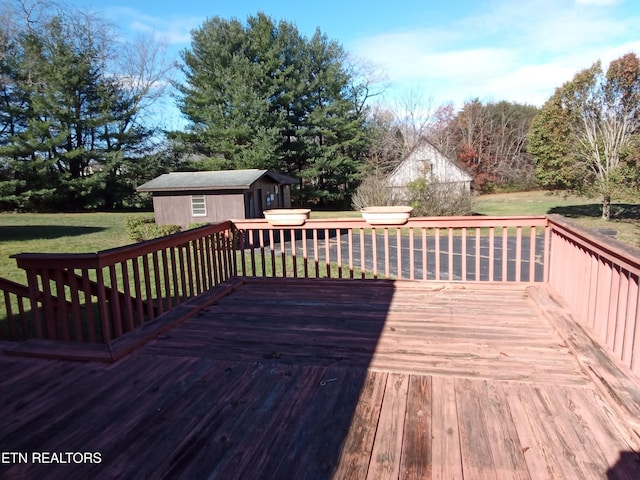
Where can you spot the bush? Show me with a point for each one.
(191, 226)
(373, 191)
(438, 199)
(145, 228)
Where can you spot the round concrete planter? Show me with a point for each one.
(287, 217)
(395, 215)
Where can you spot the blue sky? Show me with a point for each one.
(517, 50)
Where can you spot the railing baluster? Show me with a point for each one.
(478, 254)
(450, 254)
(138, 292)
(283, 256)
(305, 253)
(374, 252)
(339, 251)
(263, 264)
(631, 351)
(127, 307)
(327, 252)
(76, 314)
(412, 275)
(492, 253)
(532, 254)
(294, 252)
(350, 244)
(399, 253)
(464, 254)
(363, 265)
(505, 252)
(436, 238)
(386, 252)
(273, 254)
(518, 254)
(186, 271)
(614, 295)
(316, 254)
(182, 286)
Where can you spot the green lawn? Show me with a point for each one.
(587, 212)
(91, 232)
(57, 233)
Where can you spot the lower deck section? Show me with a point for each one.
(326, 379)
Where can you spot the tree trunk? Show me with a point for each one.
(606, 207)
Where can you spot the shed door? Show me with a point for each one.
(280, 196)
(248, 205)
(259, 202)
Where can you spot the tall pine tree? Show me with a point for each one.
(261, 95)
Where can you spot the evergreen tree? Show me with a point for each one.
(70, 132)
(261, 95)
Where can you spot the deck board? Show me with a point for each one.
(319, 380)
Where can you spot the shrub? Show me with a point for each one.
(141, 228)
(438, 199)
(373, 191)
(191, 226)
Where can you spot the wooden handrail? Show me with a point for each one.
(105, 258)
(99, 296)
(625, 256)
(598, 278)
(511, 243)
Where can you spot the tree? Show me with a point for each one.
(588, 135)
(489, 141)
(70, 129)
(260, 95)
(549, 142)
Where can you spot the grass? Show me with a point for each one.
(91, 232)
(623, 226)
(57, 233)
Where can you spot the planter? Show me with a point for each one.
(396, 215)
(287, 217)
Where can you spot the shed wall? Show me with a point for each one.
(171, 209)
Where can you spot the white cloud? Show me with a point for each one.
(171, 30)
(519, 51)
(598, 3)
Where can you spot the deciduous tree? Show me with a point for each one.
(601, 111)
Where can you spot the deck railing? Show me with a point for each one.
(598, 279)
(14, 308)
(97, 297)
(446, 248)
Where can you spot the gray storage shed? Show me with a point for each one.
(183, 198)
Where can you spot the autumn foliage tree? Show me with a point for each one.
(488, 140)
(587, 133)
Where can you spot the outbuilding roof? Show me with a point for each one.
(212, 180)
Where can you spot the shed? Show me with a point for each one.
(426, 161)
(182, 198)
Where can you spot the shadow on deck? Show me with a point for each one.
(286, 378)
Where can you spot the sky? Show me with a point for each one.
(443, 51)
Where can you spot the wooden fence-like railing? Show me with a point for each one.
(446, 248)
(598, 279)
(98, 297)
(15, 309)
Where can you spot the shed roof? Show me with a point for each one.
(212, 180)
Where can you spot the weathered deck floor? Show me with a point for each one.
(303, 379)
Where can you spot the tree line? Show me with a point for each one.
(73, 100)
(76, 131)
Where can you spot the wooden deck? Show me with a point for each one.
(346, 379)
